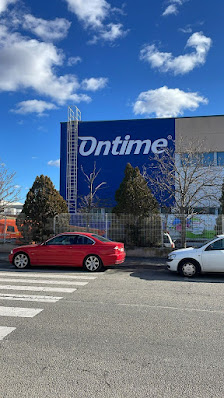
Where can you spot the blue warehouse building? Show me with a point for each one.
(113, 144)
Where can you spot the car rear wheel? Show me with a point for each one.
(21, 260)
(92, 263)
(188, 268)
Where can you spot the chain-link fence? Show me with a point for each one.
(150, 231)
(130, 229)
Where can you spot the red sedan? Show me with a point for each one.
(76, 249)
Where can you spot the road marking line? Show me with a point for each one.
(27, 297)
(43, 281)
(4, 331)
(30, 274)
(38, 288)
(19, 312)
(171, 308)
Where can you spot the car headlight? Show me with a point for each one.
(171, 256)
(11, 252)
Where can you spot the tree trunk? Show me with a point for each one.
(183, 229)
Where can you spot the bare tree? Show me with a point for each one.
(9, 192)
(188, 179)
(90, 201)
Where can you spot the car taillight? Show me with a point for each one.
(119, 249)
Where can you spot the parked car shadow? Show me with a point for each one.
(161, 274)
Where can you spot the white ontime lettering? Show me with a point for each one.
(82, 147)
(89, 146)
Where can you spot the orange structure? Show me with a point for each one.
(8, 229)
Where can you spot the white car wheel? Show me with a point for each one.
(21, 260)
(92, 263)
(188, 268)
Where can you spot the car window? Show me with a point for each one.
(71, 240)
(217, 245)
(166, 239)
(101, 238)
(205, 243)
(84, 240)
(10, 228)
(58, 240)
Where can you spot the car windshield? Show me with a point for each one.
(101, 238)
(208, 241)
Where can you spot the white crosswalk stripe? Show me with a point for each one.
(43, 281)
(27, 297)
(30, 274)
(32, 282)
(19, 311)
(4, 331)
(38, 288)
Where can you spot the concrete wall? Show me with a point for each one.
(209, 129)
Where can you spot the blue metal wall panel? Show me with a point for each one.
(108, 143)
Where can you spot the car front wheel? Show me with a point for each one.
(188, 268)
(21, 260)
(92, 263)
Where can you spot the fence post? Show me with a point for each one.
(106, 221)
(4, 235)
(54, 223)
(161, 218)
(222, 224)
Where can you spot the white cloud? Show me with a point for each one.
(187, 29)
(4, 4)
(92, 13)
(181, 64)
(55, 163)
(165, 102)
(109, 33)
(47, 30)
(171, 9)
(27, 63)
(74, 60)
(94, 84)
(112, 32)
(33, 106)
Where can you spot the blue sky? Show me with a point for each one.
(114, 60)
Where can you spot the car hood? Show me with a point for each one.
(26, 247)
(187, 250)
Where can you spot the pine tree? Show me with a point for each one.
(43, 202)
(139, 208)
(134, 196)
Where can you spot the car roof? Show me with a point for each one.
(75, 233)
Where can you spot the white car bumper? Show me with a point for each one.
(172, 265)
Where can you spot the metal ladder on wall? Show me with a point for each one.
(74, 116)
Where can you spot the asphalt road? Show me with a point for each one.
(131, 332)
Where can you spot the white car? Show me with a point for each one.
(207, 258)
